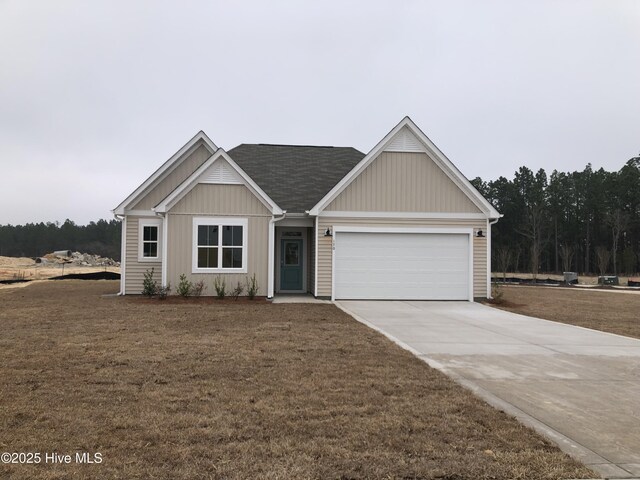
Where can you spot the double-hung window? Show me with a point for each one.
(149, 245)
(220, 244)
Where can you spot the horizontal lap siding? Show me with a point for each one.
(325, 246)
(480, 265)
(134, 269)
(218, 200)
(403, 182)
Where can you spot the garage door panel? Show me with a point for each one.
(407, 266)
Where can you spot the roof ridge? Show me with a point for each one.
(286, 145)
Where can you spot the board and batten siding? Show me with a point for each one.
(218, 201)
(325, 252)
(134, 269)
(186, 167)
(403, 182)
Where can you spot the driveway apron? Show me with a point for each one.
(578, 387)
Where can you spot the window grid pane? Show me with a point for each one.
(207, 235)
(207, 257)
(232, 257)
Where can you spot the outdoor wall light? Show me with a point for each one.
(480, 234)
(327, 233)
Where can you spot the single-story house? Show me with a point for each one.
(400, 222)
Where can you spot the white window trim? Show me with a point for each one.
(149, 222)
(220, 221)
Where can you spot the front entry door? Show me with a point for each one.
(291, 265)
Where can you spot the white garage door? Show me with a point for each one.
(403, 266)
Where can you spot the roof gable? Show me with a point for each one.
(407, 137)
(218, 169)
(199, 139)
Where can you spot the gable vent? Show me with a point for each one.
(404, 141)
(221, 172)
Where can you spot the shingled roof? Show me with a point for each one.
(296, 177)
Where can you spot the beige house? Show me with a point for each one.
(400, 222)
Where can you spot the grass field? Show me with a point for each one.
(184, 390)
(609, 311)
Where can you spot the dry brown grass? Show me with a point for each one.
(614, 312)
(194, 390)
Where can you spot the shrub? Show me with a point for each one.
(497, 294)
(236, 292)
(164, 291)
(198, 288)
(252, 287)
(185, 287)
(221, 287)
(150, 286)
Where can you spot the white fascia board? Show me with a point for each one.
(402, 215)
(185, 187)
(452, 171)
(261, 194)
(447, 167)
(359, 229)
(355, 171)
(166, 168)
(140, 213)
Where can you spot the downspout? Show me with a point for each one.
(165, 250)
(123, 250)
(271, 256)
(489, 224)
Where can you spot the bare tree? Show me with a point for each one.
(617, 221)
(503, 255)
(566, 254)
(603, 256)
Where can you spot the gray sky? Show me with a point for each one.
(95, 95)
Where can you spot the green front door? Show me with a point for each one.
(291, 265)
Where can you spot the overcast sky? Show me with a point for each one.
(95, 95)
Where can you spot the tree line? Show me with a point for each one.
(583, 221)
(37, 239)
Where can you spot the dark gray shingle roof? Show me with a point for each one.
(295, 177)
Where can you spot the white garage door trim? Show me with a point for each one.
(354, 229)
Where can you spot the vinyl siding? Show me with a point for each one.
(134, 269)
(218, 200)
(324, 245)
(403, 182)
(186, 167)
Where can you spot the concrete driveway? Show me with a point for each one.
(578, 387)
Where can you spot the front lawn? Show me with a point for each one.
(181, 390)
(610, 311)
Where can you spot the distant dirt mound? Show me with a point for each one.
(16, 261)
(78, 259)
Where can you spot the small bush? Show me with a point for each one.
(221, 287)
(164, 291)
(236, 292)
(185, 287)
(252, 287)
(150, 286)
(497, 294)
(198, 288)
